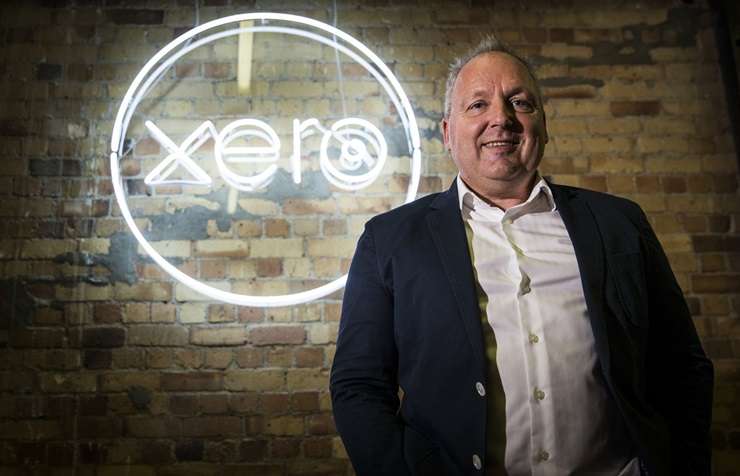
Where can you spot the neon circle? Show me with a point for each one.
(148, 75)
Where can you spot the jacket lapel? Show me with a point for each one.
(448, 232)
(584, 232)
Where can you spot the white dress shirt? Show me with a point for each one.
(560, 420)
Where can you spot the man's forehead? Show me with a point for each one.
(498, 62)
(497, 65)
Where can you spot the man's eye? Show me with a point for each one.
(476, 105)
(522, 105)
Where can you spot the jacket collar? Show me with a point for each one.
(448, 233)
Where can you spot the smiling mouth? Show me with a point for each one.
(500, 144)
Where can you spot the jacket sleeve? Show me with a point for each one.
(680, 375)
(364, 381)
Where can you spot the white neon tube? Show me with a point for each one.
(133, 97)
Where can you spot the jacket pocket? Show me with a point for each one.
(628, 278)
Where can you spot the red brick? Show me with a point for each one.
(279, 357)
(309, 357)
(92, 452)
(335, 227)
(218, 336)
(213, 269)
(277, 335)
(715, 283)
(184, 404)
(674, 184)
(593, 182)
(699, 183)
(97, 359)
(275, 403)
(47, 316)
(159, 358)
(157, 452)
(60, 406)
(217, 70)
(694, 223)
(225, 451)
(99, 427)
(108, 313)
(187, 70)
(153, 427)
(214, 403)
(707, 243)
(634, 108)
(719, 223)
(212, 426)
(221, 313)
(648, 184)
(252, 450)
(726, 183)
(31, 453)
(269, 267)
(249, 358)
(135, 17)
(305, 402)
(332, 311)
(317, 447)
(712, 262)
(321, 424)
(147, 146)
(277, 227)
(60, 454)
(243, 402)
(106, 337)
(284, 448)
(79, 72)
(560, 35)
(190, 450)
(251, 314)
(94, 406)
(36, 338)
(189, 381)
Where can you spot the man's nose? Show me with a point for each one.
(501, 113)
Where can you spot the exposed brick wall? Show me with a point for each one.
(107, 362)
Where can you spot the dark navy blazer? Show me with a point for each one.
(410, 318)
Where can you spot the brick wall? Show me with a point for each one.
(107, 363)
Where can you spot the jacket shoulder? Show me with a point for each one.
(604, 203)
(408, 213)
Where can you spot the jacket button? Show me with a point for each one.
(476, 462)
(480, 389)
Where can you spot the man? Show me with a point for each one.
(533, 328)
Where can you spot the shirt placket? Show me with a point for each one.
(532, 345)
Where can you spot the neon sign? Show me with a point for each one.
(362, 148)
(352, 133)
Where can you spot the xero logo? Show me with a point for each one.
(218, 148)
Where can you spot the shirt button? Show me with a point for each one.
(539, 394)
(480, 389)
(525, 285)
(533, 338)
(476, 462)
(543, 456)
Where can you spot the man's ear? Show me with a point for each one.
(544, 124)
(445, 126)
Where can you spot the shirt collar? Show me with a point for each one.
(467, 198)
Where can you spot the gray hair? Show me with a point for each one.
(489, 44)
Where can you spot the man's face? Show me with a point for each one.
(496, 129)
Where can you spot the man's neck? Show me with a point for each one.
(506, 196)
